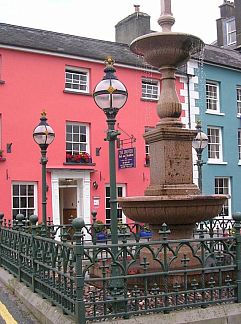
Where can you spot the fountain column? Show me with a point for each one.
(171, 166)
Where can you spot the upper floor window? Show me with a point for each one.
(120, 192)
(24, 199)
(212, 97)
(231, 32)
(76, 80)
(147, 147)
(215, 152)
(77, 143)
(222, 187)
(147, 155)
(239, 144)
(239, 100)
(150, 89)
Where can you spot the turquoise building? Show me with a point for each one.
(220, 109)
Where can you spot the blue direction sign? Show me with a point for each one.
(127, 158)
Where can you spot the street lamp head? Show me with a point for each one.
(200, 142)
(43, 134)
(110, 94)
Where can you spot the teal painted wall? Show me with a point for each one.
(228, 81)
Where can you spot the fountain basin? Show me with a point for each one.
(172, 210)
(166, 49)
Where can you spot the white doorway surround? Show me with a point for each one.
(82, 178)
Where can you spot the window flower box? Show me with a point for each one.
(82, 157)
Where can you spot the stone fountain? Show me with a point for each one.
(171, 197)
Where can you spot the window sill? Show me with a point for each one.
(79, 164)
(239, 162)
(149, 99)
(213, 112)
(77, 92)
(2, 159)
(239, 116)
(217, 162)
(2, 82)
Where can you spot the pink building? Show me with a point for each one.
(57, 73)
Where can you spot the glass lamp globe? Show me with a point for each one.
(43, 134)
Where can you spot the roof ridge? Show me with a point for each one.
(60, 33)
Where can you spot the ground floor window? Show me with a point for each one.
(222, 186)
(119, 193)
(24, 199)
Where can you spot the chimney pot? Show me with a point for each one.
(137, 8)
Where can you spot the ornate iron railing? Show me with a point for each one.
(90, 282)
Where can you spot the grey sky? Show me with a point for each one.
(96, 19)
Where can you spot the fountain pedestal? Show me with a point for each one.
(171, 162)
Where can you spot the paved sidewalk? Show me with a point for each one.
(47, 314)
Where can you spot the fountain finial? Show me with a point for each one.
(166, 19)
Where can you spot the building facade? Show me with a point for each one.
(57, 73)
(220, 108)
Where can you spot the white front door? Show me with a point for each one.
(70, 195)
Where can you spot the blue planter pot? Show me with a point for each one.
(101, 236)
(146, 234)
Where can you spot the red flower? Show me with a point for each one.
(83, 157)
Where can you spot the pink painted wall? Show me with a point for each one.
(34, 83)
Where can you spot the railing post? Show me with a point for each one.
(20, 224)
(78, 224)
(93, 231)
(237, 226)
(33, 221)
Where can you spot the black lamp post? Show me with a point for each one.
(43, 135)
(110, 95)
(199, 143)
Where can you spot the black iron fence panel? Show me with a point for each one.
(158, 276)
(91, 279)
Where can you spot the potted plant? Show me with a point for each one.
(145, 231)
(122, 228)
(99, 230)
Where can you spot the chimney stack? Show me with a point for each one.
(237, 5)
(227, 10)
(133, 26)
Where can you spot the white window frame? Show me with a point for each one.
(238, 92)
(231, 31)
(239, 146)
(147, 154)
(212, 97)
(74, 143)
(147, 147)
(150, 89)
(226, 190)
(72, 81)
(123, 187)
(35, 207)
(217, 144)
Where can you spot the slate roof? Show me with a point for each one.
(38, 39)
(221, 56)
(60, 43)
